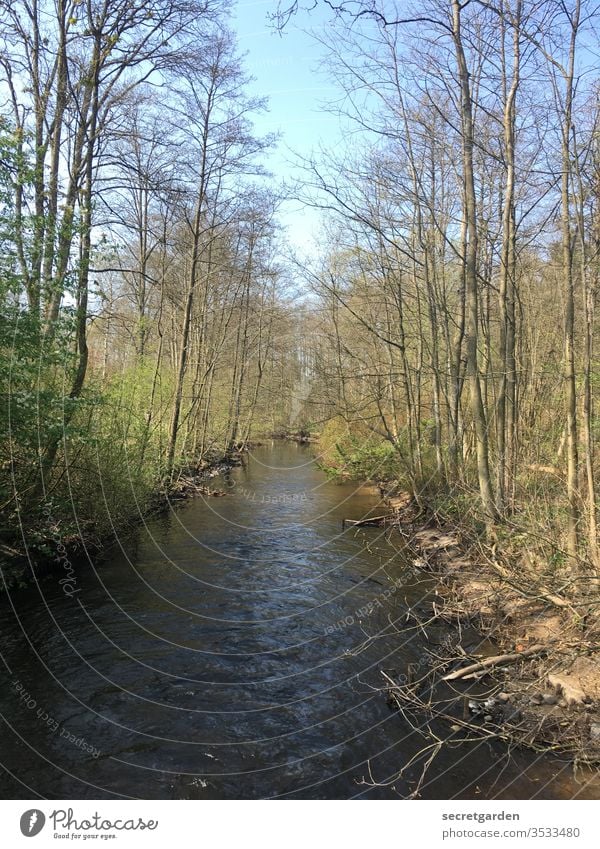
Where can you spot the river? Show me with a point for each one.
(233, 648)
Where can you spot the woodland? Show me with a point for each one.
(154, 319)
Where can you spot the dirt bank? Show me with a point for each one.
(534, 678)
(55, 551)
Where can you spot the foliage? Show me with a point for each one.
(352, 451)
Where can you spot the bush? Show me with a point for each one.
(353, 451)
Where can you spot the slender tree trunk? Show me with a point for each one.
(472, 319)
(569, 331)
(506, 395)
(189, 301)
(588, 295)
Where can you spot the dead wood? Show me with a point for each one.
(491, 662)
(372, 520)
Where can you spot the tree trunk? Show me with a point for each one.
(472, 317)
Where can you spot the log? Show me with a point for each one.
(491, 662)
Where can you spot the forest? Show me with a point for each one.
(438, 340)
(145, 316)
(444, 333)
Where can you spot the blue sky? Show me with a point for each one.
(286, 70)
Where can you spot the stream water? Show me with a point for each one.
(234, 649)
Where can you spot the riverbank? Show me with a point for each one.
(49, 550)
(535, 679)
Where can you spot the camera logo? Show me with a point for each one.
(32, 822)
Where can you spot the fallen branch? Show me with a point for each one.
(373, 520)
(491, 662)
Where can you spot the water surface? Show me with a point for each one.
(234, 649)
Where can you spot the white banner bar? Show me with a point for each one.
(300, 824)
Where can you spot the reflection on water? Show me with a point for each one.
(233, 650)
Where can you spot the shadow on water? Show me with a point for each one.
(233, 650)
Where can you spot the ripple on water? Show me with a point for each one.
(230, 652)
